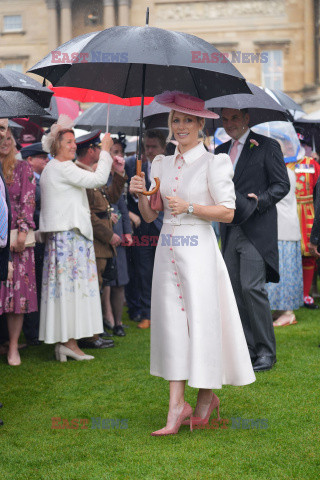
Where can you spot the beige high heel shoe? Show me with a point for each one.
(62, 352)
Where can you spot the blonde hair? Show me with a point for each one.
(56, 144)
(9, 161)
(200, 120)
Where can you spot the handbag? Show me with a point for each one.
(30, 239)
(156, 202)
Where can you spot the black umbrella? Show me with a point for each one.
(17, 104)
(11, 80)
(134, 61)
(287, 102)
(310, 128)
(121, 118)
(261, 107)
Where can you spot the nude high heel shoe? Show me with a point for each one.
(215, 402)
(62, 352)
(186, 412)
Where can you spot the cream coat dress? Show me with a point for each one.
(196, 331)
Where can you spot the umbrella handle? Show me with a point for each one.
(156, 179)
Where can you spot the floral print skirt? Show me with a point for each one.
(20, 294)
(288, 293)
(70, 297)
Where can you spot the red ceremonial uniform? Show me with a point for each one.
(306, 180)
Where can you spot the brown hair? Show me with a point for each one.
(56, 144)
(201, 122)
(9, 161)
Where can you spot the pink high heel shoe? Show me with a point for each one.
(215, 402)
(186, 412)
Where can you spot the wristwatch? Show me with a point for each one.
(190, 209)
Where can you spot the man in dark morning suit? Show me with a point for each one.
(5, 227)
(249, 244)
(142, 256)
(38, 159)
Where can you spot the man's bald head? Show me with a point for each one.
(3, 128)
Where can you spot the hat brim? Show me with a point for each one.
(197, 113)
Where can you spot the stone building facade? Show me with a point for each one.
(272, 42)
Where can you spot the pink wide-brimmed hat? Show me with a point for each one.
(182, 102)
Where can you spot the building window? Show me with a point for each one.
(18, 67)
(272, 70)
(12, 23)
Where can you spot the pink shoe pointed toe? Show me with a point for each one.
(186, 412)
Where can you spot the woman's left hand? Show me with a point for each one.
(177, 205)
(128, 239)
(19, 245)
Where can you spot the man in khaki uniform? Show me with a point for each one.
(104, 239)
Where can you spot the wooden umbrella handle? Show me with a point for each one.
(156, 179)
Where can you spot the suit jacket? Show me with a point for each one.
(5, 252)
(132, 204)
(260, 170)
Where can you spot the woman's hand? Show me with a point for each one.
(106, 142)
(114, 218)
(177, 205)
(19, 245)
(128, 239)
(135, 219)
(138, 184)
(10, 271)
(115, 240)
(313, 250)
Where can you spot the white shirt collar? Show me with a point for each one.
(243, 138)
(191, 155)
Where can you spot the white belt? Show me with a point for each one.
(186, 220)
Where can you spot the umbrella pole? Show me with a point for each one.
(108, 111)
(139, 161)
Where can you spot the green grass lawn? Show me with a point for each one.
(117, 385)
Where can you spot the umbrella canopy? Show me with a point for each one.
(113, 61)
(58, 105)
(121, 118)
(285, 134)
(292, 107)
(133, 61)
(11, 80)
(17, 104)
(261, 107)
(310, 128)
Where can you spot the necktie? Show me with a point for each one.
(3, 218)
(234, 151)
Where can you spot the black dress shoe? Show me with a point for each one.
(34, 342)
(311, 306)
(99, 343)
(118, 330)
(1, 422)
(136, 318)
(105, 334)
(107, 324)
(263, 363)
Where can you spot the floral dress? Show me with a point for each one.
(20, 294)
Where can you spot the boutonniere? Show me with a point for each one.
(253, 143)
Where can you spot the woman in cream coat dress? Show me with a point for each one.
(196, 331)
(70, 300)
